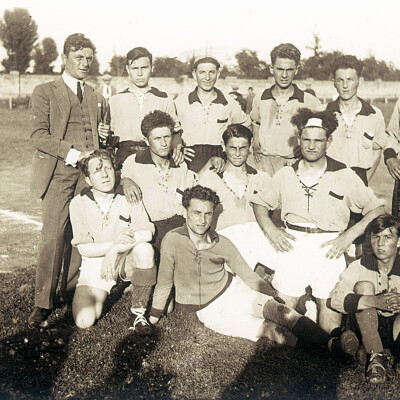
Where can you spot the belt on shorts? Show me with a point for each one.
(128, 143)
(306, 229)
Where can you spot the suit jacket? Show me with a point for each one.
(51, 109)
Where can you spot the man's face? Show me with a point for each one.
(346, 82)
(385, 244)
(160, 141)
(284, 71)
(199, 216)
(101, 175)
(77, 63)
(237, 150)
(206, 75)
(314, 143)
(139, 72)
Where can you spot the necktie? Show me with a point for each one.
(79, 92)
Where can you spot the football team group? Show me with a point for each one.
(235, 215)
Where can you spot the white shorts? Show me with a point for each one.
(234, 312)
(252, 244)
(307, 265)
(90, 274)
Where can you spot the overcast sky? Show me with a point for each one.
(179, 27)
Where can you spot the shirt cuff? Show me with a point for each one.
(72, 157)
(389, 153)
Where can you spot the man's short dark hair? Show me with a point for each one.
(101, 154)
(156, 119)
(200, 193)
(237, 130)
(136, 53)
(206, 59)
(303, 115)
(76, 42)
(382, 222)
(286, 50)
(250, 88)
(347, 62)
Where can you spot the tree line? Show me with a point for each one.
(18, 34)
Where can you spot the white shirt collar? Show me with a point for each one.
(72, 83)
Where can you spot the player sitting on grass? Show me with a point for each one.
(316, 195)
(368, 291)
(113, 238)
(193, 258)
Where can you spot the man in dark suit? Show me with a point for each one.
(106, 89)
(66, 114)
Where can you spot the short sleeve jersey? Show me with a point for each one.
(127, 109)
(91, 225)
(327, 204)
(162, 192)
(277, 134)
(205, 124)
(353, 145)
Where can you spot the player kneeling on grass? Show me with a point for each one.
(112, 236)
(193, 258)
(368, 292)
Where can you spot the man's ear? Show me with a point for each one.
(329, 141)
(127, 69)
(87, 180)
(63, 59)
(398, 242)
(194, 75)
(271, 69)
(297, 70)
(184, 213)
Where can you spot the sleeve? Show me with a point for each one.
(128, 167)
(255, 111)
(343, 298)
(239, 266)
(81, 233)
(238, 116)
(313, 103)
(269, 194)
(140, 219)
(165, 277)
(361, 198)
(393, 129)
(171, 110)
(42, 137)
(380, 136)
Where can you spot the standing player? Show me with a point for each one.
(360, 135)
(205, 114)
(235, 186)
(316, 194)
(274, 136)
(369, 291)
(128, 108)
(66, 116)
(113, 238)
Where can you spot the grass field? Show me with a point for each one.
(183, 361)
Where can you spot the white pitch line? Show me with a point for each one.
(20, 217)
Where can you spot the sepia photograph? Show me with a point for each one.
(200, 200)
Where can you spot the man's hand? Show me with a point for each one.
(108, 264)
(393, 166)
(177, 155)
(189, 153)
(132, 191)
(392, 301)
(339, 245)
(103, 130)
(217, 164)
(125, 238)
(279, 239)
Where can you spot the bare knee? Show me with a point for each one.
(142, 256)
(281, 314)
(85, 318)
(365, 288)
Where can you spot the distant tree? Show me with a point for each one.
(44, 55)
(316, 45)
(18, 34)
(169, 67)
(249, 65)
(117, 66)
(318, 67)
